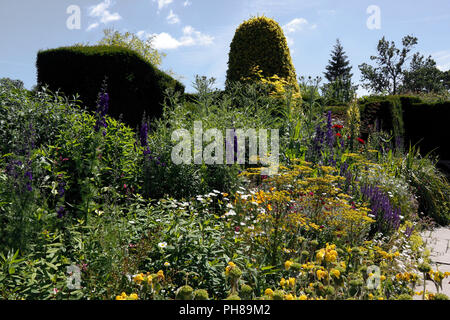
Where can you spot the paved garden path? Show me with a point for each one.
(438, 241)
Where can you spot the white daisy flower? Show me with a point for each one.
(162, 245)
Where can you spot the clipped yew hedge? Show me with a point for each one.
(420, 123)
(134, 85)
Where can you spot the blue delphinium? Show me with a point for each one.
(387, 216)
(102, 110)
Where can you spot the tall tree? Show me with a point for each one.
(339, 90)
(339, 66)
(423, 76)
(387, 76)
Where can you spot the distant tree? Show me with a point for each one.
(339, 66)
(132, 41)
(447, 80)
(10, 83)
(387, 76)
(338, 72)
(423, 76)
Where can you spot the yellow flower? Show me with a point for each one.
(288, 264)
(133, 296)
(321, 274)
(382, 278)
(269, 207)
(292, 282)
(138, 278)
(160, 274)
(303, 297)
(282, 282)
(370, 296)
(289, 297)
(335, 272)
(268, 292)
(149, 279)
(320, 255)
(123, 296)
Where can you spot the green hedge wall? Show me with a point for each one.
(418, 122)
(428, 123)
(134, 85)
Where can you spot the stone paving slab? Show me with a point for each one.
(438, 242)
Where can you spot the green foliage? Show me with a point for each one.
(231, 243)
(135, 86)
(10, 83)
(131, 41)
(423, 76)
(260, 42)
(387, 75)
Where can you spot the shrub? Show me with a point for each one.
(135, 86)
(260, 42)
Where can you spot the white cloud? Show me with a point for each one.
(164, 40)
(163, 3)
(92, 26)
(290, 41)
(101, 11)
(442, 59)
(295, 25)
(190, 37)
(187, 3)
(172, 18)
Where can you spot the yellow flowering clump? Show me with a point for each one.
(278, 85)
(138, 278)
(268, 292)
(438, 276)
(288, 264)
(335, 272)
(321, 274)
(229, 267)
(407, 277)
(124, 296)
(160, 274)
(308, 198)
(353, 118)
(303, 297)
(291, 282)
(289, 297)
(329, 254)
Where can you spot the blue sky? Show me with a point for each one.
(196, 34)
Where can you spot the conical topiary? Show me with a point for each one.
(260, 43)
